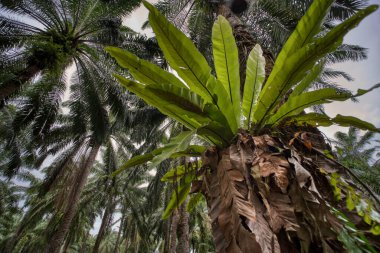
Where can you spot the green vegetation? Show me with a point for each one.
(205, 147)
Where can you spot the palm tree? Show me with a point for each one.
(356, 152)
(268, 184)
(47, 36)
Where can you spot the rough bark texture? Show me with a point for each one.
(117, 243)
(173, 231)
(265, 195)
(58, 237)
(167, 224)
(183, 229)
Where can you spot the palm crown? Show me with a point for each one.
(51, 34)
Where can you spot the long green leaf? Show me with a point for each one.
(179, 143)
(212, 133)
(361, 92)
(308, 26)
(226, 60)
(314, 119)
(136, 160)
(306, 29)
(179, 194)
(296, 104)
(317, 119)
(177, 173)
(192, 150)
(308, 80)
(177, 103)
(355, 122)
(181, 54)
(255, 76)
(194, 201)
(223, 103)
(289, 71)
(143, 71)
(190, 64)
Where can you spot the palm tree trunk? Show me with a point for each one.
(136, 243)
(117, 243)
(129, 235)
(103, 227)
(167, 222)
(264, 200)
(183, 229)
(173, 231)
(57, 239)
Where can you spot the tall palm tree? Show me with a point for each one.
(47, 36)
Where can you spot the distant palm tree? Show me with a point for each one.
(358, 153)
(47, 36)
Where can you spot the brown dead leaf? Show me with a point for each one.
(282, 180)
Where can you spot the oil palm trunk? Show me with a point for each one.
(183, 230)
(103, 227)
(58, 237)
(264, 200)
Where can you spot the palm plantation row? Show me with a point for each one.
(81, 139)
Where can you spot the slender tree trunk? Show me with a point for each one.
(57, 238)
(167, 223)
(117, 243)
(103, 227)
(261, 199)
(183, 229)
(173, 231)
(129, 235)
(136, 243)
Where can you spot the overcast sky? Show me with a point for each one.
(366, 74)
